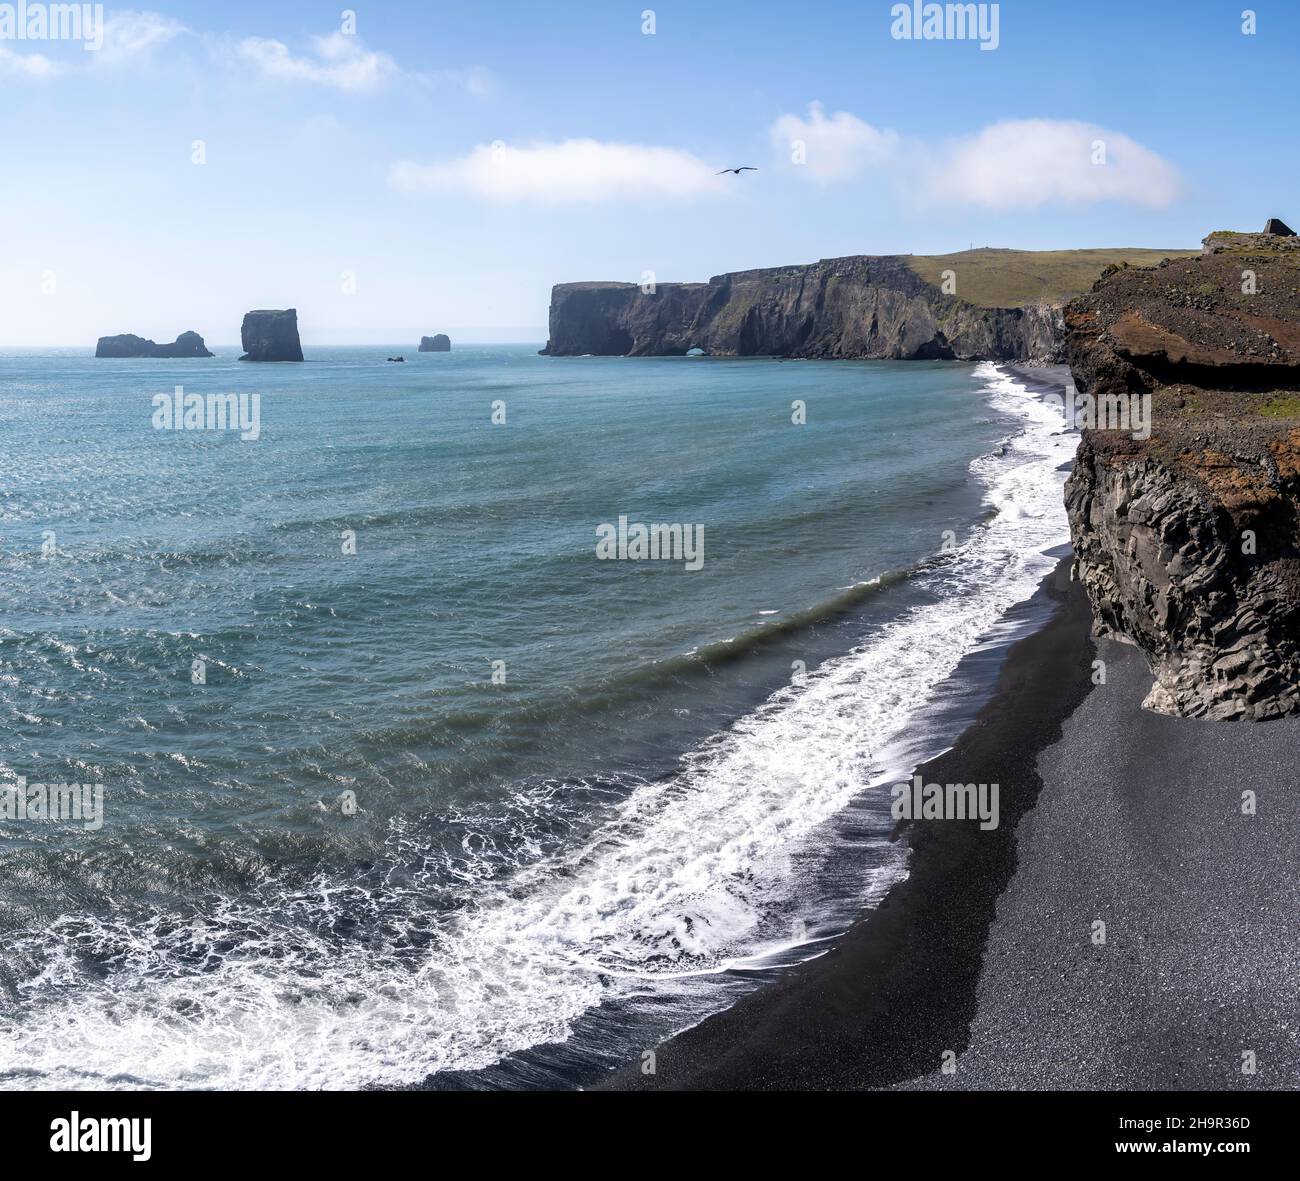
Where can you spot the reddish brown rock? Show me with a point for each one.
(1188, 541)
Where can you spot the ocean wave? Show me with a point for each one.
(355, 981)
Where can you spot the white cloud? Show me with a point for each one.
(835, 148)
(129, 35)
(125, 37)
(339, 61)
(27, 65)
(1010, 165)
(576, 171)
(1026, 163)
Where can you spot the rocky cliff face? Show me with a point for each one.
(435, 344)
(857, 307)
(1188, 541)
(271, 336)
(188, 344)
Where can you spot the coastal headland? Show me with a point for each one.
(1130, 923)
(977, 305)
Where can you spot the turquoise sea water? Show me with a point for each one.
(589, 795)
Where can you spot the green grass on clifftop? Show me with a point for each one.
(1011, 278)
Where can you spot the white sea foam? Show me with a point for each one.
(682, 879)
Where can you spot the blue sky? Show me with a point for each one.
(371, 153)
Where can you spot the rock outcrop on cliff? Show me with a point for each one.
(188, 344)
(435, 344)
(1188, 541)
(856, 307)
(271, 336)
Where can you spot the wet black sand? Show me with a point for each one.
(900, 987)
(987, 959)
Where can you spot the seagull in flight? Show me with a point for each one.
(738, 171)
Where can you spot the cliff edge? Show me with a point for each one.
(1183, 500)
(999, 305)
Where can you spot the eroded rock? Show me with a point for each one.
(1188, 542)
(271, 336)
(188, 344)
(856, 307)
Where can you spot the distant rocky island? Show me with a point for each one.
(271, 335)
(188, 344)
(435, 344)
(1186, 541)
(996, 305)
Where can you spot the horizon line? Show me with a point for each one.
(361, 344)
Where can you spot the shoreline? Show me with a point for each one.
(960, 699)
(922, 964)
(899, 987)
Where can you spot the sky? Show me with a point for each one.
(398, 169)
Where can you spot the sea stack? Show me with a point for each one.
(435, 344)
(188, 344)
(271, 336)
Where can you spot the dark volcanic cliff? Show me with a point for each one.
(271, 336)
(188, 344)
(1188, 542)
(441, 343)
(856, 307)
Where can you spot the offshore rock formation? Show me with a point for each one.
(271, 336)
(435, 344)
(188, 344)
(855, 307)
(1188, 542)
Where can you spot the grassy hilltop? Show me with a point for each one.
(993, 278)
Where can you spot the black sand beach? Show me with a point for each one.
(989, 949)
(901, 986)
(1140, 825)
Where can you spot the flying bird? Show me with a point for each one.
(738, 171)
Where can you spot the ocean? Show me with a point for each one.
(403, 784)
